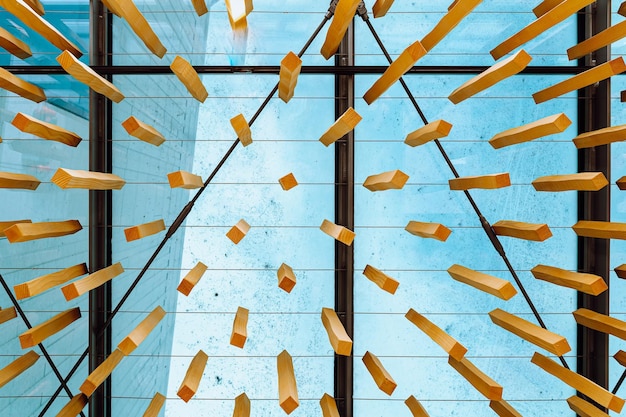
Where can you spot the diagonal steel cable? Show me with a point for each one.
(43, 349)
(183, 215)
(483, 221)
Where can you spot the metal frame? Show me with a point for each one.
(100, 208)
(594, 112)
(344, 215)
(593, 254)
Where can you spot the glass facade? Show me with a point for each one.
(285, 224)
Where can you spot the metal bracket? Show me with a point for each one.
(331, 8)
(361, 10)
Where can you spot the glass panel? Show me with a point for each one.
(284, 228)
(490, 23)
(20, 262)
(70, 18)
(418, 366)
(274, 29)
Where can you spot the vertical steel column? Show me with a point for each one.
(593, 254)
(344, 215)
(100, 208)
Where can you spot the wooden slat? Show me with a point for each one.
(242, 406)
(503, 409)
(139, 333)
(16, 85)
(101, 373)
(286, 278)
(587, 283)
(200, 7)
(144, 230)
(113, 7)
(381, 7)
(448, 22)
(6, 224)
(391, 180)
(449, 344)
(584, 79)
(154, 408)
(556, 15)
(584, 409)
(41, 332)
(94, 280)
(13, 45)
(339, 339)
(545, 6)
(86, 180)
(537, 232)
(49, 281)
(486, 182)
(342, 126)
(597, 41)
(550, 125)
(184, 179)
(192, 278)
(44, 130)
(378, 277)
(344, 12)
(143, 131)
(328, 406)
(600, 322)
(501, 288)
(138, 23)
(601, 136)
(622, 9)
(620, 357)
(582, 181)
(340, 233)
(74, 406)
(288, 181)
(621, 271)
(239, 335)
(242, 129)
(381, 377)
(237, 15)
(18, 181)
(190, 78)
(238, 231)
(405, 61)
(30, 18)
(433, 130)
(287, 387)
(15, 368)
(7, 314)
(36, 6)
(493, 75)
(84, 74)
(23, 232)
(599, 229)
(193, 376)
(552, 342)
(290, 67)
(417, 410)
(479, 380)
(579, 382)
(428, 230)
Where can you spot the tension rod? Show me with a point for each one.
(483, 221)
(183, 215)
(43, 349)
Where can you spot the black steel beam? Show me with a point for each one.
(100, 209)
(594, 254)
(344, 215)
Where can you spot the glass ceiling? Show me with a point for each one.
(285, 224)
